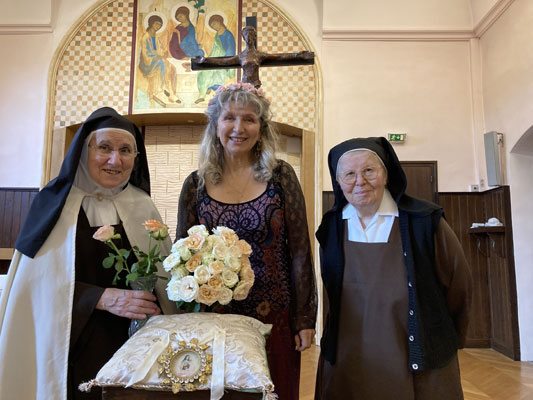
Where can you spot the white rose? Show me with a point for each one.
(202, 274)
(235, 251)
(187, 289)
(225, 295)
(201, 229)
(229, 277)
(220, 251)
(182, 250)
(171, 261)
(213, 240)
(233, 263)
(179, 272)
(173, 290)
(208, 259)
(177, 245)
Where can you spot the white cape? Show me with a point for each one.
(36, 303)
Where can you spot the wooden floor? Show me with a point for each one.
(485, 375)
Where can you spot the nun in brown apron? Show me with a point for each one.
(397, 282)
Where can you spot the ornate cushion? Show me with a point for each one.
(197, 351)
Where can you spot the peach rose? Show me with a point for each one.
(194, 242)
(207, 295)
(193, 262)
(242, 290)
(105, 233)
(156, 228)
(247, 274)
(245, 248)
(215, 282)
(216, 267)
(229, 236)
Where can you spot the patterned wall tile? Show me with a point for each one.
(95, 68)
(291, 89)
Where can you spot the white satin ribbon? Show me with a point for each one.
(155, 351)
(217, 375)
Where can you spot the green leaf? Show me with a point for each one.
(118, 266)
(131, 277)
(196, 307)
(108, 261)
(143, 263)
(134, 267)
(124, 253)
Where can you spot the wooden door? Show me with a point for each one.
(421, 179)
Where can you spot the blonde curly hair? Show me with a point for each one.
(212, 161)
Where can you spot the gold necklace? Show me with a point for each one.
(246, 184)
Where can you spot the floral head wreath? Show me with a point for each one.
(242, 86)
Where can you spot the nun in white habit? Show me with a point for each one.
(61, 318)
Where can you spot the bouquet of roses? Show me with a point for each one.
(209, 268)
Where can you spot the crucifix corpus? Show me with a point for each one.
(250, 59)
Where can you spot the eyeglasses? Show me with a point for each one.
(368, 173)
(104, 150)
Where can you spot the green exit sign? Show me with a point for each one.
(397, 137)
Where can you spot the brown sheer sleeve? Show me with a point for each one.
(454, 275)
(303, 285)
(187, 212)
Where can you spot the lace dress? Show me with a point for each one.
(284, 292)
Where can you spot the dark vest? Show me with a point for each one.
(434, 339)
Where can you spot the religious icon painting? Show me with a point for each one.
(167, 34)
(185, 364)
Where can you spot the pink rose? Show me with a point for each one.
(105, 233)
(194, 242)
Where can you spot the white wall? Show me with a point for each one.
(480, 8)
(23, 79)
(34, 12)
(405, 14)
(23, 76)
(507, 62)
(420, 88)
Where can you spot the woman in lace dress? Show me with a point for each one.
(240, 184)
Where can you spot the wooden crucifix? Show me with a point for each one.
(251, 59)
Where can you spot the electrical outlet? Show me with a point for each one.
(474, 188)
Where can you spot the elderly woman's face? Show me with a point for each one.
(238, 128)
(362, 179)
(109, 162)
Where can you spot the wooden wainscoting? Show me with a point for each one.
(494, 321)
(14, 206)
